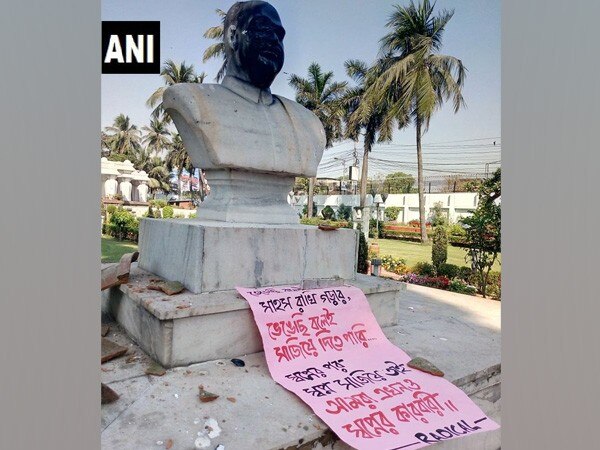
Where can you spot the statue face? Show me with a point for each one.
(258, 44)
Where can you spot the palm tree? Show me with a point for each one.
(172, 73)
(179, 160)
(123, 137)
(216, 50)
(362, 114)
(105, 143)
(416, 79)
(160, 176)
(157, 136)
(142, 159)
(324, 97)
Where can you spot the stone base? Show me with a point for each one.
(248, 197)
(215, 256)
(189, 328)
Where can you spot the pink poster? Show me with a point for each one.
(325, 346)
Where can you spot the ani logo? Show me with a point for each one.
(131, 47)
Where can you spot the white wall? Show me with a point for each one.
(455, 204)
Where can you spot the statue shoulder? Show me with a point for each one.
(305, 115)
(185, 98)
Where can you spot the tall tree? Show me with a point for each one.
(483, 230)
(324, 97)
(364, 115)
(399, 183)
(216, 50)
(179, 160)
(417, 79)
(123, 137)
(172, 73)
(157, 136)
(160, 176)
(104, 143)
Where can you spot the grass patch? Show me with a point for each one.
(414, 252)
(113, 249)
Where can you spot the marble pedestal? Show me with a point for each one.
(188, 328)
(208, 256)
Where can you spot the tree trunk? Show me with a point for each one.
(311, 191)
(364, 173)
(421, 182)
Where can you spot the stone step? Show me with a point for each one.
(189, 328)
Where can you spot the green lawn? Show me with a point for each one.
(113, 249)
(414, 252)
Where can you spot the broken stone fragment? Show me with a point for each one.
(155, 369)
(107, 394)
(206, 396)
(425, 366)
(110, 350)
(104, 330)
(168, 287)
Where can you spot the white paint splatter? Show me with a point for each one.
(212, 428)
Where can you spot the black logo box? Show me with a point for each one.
(122, 29)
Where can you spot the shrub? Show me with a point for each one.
(123, 223)
(111, 209)
(328, 213)
(424, 269)
(158, 203)
(318, 221)
(461, 287)
(305, 211)
(167, 212)
(438, 218)
(362, 266)
(494, 284)
(439, 249)
(434, 282)
(456, 230)
(391, 212)
(373, 229)
(192, 216)
(394, 265)
(448, 270)
(344, 212)
(483, 230)
(465, 274)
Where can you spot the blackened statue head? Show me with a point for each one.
(253, 38)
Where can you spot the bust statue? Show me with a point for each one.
(250, 142)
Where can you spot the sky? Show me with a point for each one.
(330, 32)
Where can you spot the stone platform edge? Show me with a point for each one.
(188, 304)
